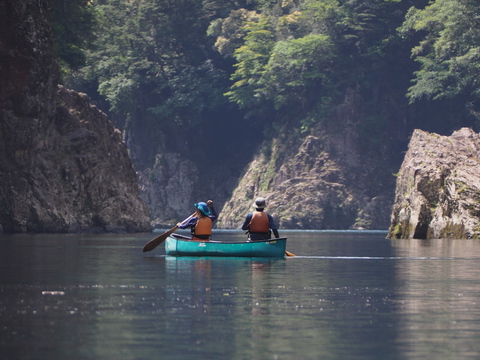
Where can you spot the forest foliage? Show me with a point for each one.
(248, 67)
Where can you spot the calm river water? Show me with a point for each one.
(346, 295)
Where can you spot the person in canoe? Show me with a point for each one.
(201, 222)
(260, 224)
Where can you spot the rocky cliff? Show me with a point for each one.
(168, 189)
(174, 183)
(438, 187)
(323, 181)
(63, 166)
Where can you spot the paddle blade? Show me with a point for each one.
(289, 253)
(152, 244)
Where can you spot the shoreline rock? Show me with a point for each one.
(438, 188)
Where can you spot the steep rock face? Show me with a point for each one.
(168, 188)
(320, 183)
(63, 167)
(438, 187)
(174, 183)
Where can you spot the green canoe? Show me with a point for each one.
(178, 246)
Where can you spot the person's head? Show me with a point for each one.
(202, 209)
(259, 204)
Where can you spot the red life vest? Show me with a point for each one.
(204, 226)
(259, 222)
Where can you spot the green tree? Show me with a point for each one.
(73, 23)
(147, 54)
(449, 51)
(252, 59)
(297, 68)
(229, 32)
(156, 67)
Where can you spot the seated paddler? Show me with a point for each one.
(260, 224)
(201, 223)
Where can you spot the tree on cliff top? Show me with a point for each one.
(448, 53)
(73, 24)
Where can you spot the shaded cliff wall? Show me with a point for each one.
(174, 183)
(438, 187)
(63, 166)
(168, 188)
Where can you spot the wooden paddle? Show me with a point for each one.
(289, 253)
(152, 244)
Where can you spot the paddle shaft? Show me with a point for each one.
(152, 244)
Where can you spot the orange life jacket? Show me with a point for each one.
(259, 222)
(203, 226)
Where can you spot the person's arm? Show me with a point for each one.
(246, 224)
(188, 223)
(213, 213)
(272, 226)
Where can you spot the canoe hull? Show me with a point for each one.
(265, 248)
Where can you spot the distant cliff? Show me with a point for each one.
(438, 187)
(63, 166)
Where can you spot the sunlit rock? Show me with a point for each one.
(438, 187)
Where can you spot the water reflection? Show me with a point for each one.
(205, 278)
(439, 296)
(345, 296)
(441, 248)
(234, 298)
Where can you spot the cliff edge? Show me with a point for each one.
(438, 188)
